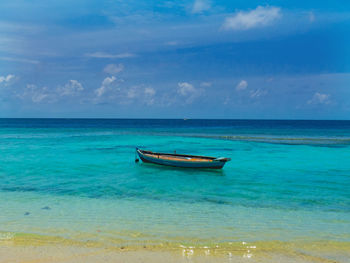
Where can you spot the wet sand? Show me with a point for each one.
(19, 253)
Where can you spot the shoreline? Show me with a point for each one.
(73, 253)
(41, 248)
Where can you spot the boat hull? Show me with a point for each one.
(210, 164)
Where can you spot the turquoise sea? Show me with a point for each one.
(77, 180)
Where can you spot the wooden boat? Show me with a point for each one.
(182, 160)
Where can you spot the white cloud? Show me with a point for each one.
(206, 84)
(106, 85)
(131, 93)
(6, 79)
(37, 94)
(137, 93)
(150, 91)
(320, 98)
(186, 89)
(72, 88)
(257, 93)
(200, 6)
(100, 91)
(108, 55)
(22, 60)
(149, 95)
(44, 94)
(113, 69)
(107, 81)
(38, 97)
(144, 95)
(242, 85)
(259, 17)
(111, 91)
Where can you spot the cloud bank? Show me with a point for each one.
(6, 79)
(259, 17)
(242, 85)
(72, 88)
(113, 69)
(200, 6)
(188, 91)
(108, 55)
(320, 98)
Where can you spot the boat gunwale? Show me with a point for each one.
(207, 158)
(181, 167)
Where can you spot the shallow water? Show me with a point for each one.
(76, 179)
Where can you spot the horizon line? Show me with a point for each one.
(185, 119)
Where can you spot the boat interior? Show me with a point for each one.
(181, 157)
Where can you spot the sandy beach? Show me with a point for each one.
(73, 254)
(32, 249)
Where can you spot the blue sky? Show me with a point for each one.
(175, 59)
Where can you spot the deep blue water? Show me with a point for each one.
(171, 123)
